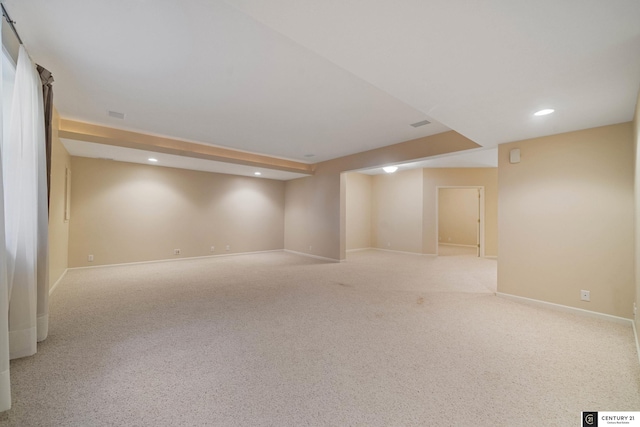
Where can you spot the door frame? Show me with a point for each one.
(481, 226)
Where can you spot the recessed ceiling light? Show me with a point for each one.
(257, 173)
(544, 112)
(151, 159)
(390, 169)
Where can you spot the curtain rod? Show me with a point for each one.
(10, 22)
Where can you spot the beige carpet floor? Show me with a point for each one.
(276, 339)
(450, 250)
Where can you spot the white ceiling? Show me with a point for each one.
(294, 77)
(481, 68)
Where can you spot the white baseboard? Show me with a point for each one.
(398, 252)
(55, 285)
(174, 259)
(455, 244)
(312, 256)
(410, 253)
(358, 250)
(566, 308)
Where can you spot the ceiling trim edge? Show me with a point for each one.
(81, 131)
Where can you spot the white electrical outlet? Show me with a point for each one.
(228, 248)
(388, 244)
(310, 247)
(213, 248)
(90, 258)
(635, 309)
(585, 295)
(176, 251)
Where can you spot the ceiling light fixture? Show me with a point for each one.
(151, 159)
(390, 169)
(257, 173)
(544, 112)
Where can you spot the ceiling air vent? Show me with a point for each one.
(422, 123)
(117, 115)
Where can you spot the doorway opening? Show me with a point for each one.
(460, 221)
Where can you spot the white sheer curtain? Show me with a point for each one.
(5, 381)
(26, 218)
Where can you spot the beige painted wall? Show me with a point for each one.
(566, 219)
(409, 222)
(460, 177)
(358, 217)
(314, 214)
(125, 212)
(311, 220)
(397, 211)
(58, 227)
(458, 215)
